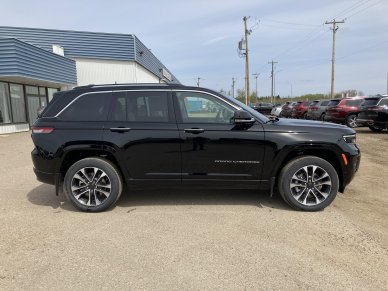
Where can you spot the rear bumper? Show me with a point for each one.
(48, 178)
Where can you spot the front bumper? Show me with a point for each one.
(44, 177)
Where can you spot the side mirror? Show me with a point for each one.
(242, 117)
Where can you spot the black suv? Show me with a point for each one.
(94, 139)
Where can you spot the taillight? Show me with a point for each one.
(314, 108)
(36, 129)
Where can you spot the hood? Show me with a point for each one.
(307, 126)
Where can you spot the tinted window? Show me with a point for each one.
(370, 101)
(334, 102)
(140, 107)
(384, 102)
(356, 102)
(314, 103)
(324, 103)
(89, 107)
(203, 108)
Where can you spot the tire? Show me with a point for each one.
(305, 116)
(375, 128)
(93, 184)
(351, 120)
(322, 117)
(319, 194)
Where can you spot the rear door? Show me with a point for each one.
(142, 131)
(214, 150)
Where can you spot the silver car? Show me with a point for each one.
(276, 110)
(317, 109)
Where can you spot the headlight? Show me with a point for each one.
(350, 138)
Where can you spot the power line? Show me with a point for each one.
(362, 10)
(351, 8)
(290, 23)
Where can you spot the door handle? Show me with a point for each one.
(194, 130)
(119, 129)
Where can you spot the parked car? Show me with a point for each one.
(317, 110)
(287, 109)
(344, 111)
(374, 113)
(94, 139)
(277, 109)
(300, 110)
(264, 108)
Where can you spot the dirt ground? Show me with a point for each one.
(192, 239)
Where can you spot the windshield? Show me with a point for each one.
(260, 116)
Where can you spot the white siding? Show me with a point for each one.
(93, 71)
(14, 128)
(145, 76)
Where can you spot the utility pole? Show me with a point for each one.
(256, 77)
(198, 79)
(334, 29)
(246, 62)
(272, 79)
(233, 82)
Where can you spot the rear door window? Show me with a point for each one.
(370, 101)
(334, 102)
(140, 107)
(88, 107)
(325, 103)
(356, 102)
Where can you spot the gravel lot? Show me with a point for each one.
(192, 240)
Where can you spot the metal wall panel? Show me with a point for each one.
(76, 43)
(9, 128)
(92, 45)
(18, 58)
(105, 72)
(145, 58)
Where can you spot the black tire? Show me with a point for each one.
(351, 120)
(305, 116)
(322, 117)
(106, 179)
(291, 196)
(375, 128)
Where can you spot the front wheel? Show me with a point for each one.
(308, 183)
(93, 184)
(351, 120)
(322, 117)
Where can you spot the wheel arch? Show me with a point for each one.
(322, 152)
(72, 156)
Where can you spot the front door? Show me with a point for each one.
(214, 149)
(143, 131)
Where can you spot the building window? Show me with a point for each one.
(4, 104)
(51, 92)
(17, 103)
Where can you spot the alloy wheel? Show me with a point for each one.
(310, 185)
(91, 186)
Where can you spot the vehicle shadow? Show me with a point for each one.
(44, 195)
(256, 198)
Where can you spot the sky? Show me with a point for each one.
(200, 38)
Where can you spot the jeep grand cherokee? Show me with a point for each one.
(93, 139)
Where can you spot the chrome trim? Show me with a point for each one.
(147, 90)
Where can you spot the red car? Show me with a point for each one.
(300, 109)
(344, 110)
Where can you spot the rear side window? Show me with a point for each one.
(334, 102)
(140, 107)
(384, 102)
(324, 103)
(370, 101)
(88, 107)
(356, 102)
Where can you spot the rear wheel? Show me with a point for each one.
(376, 128)
(92, 184)
(305, 116)
(351, 120)
(322, 117)
(308, 183)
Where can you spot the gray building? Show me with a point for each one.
(35, 63)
